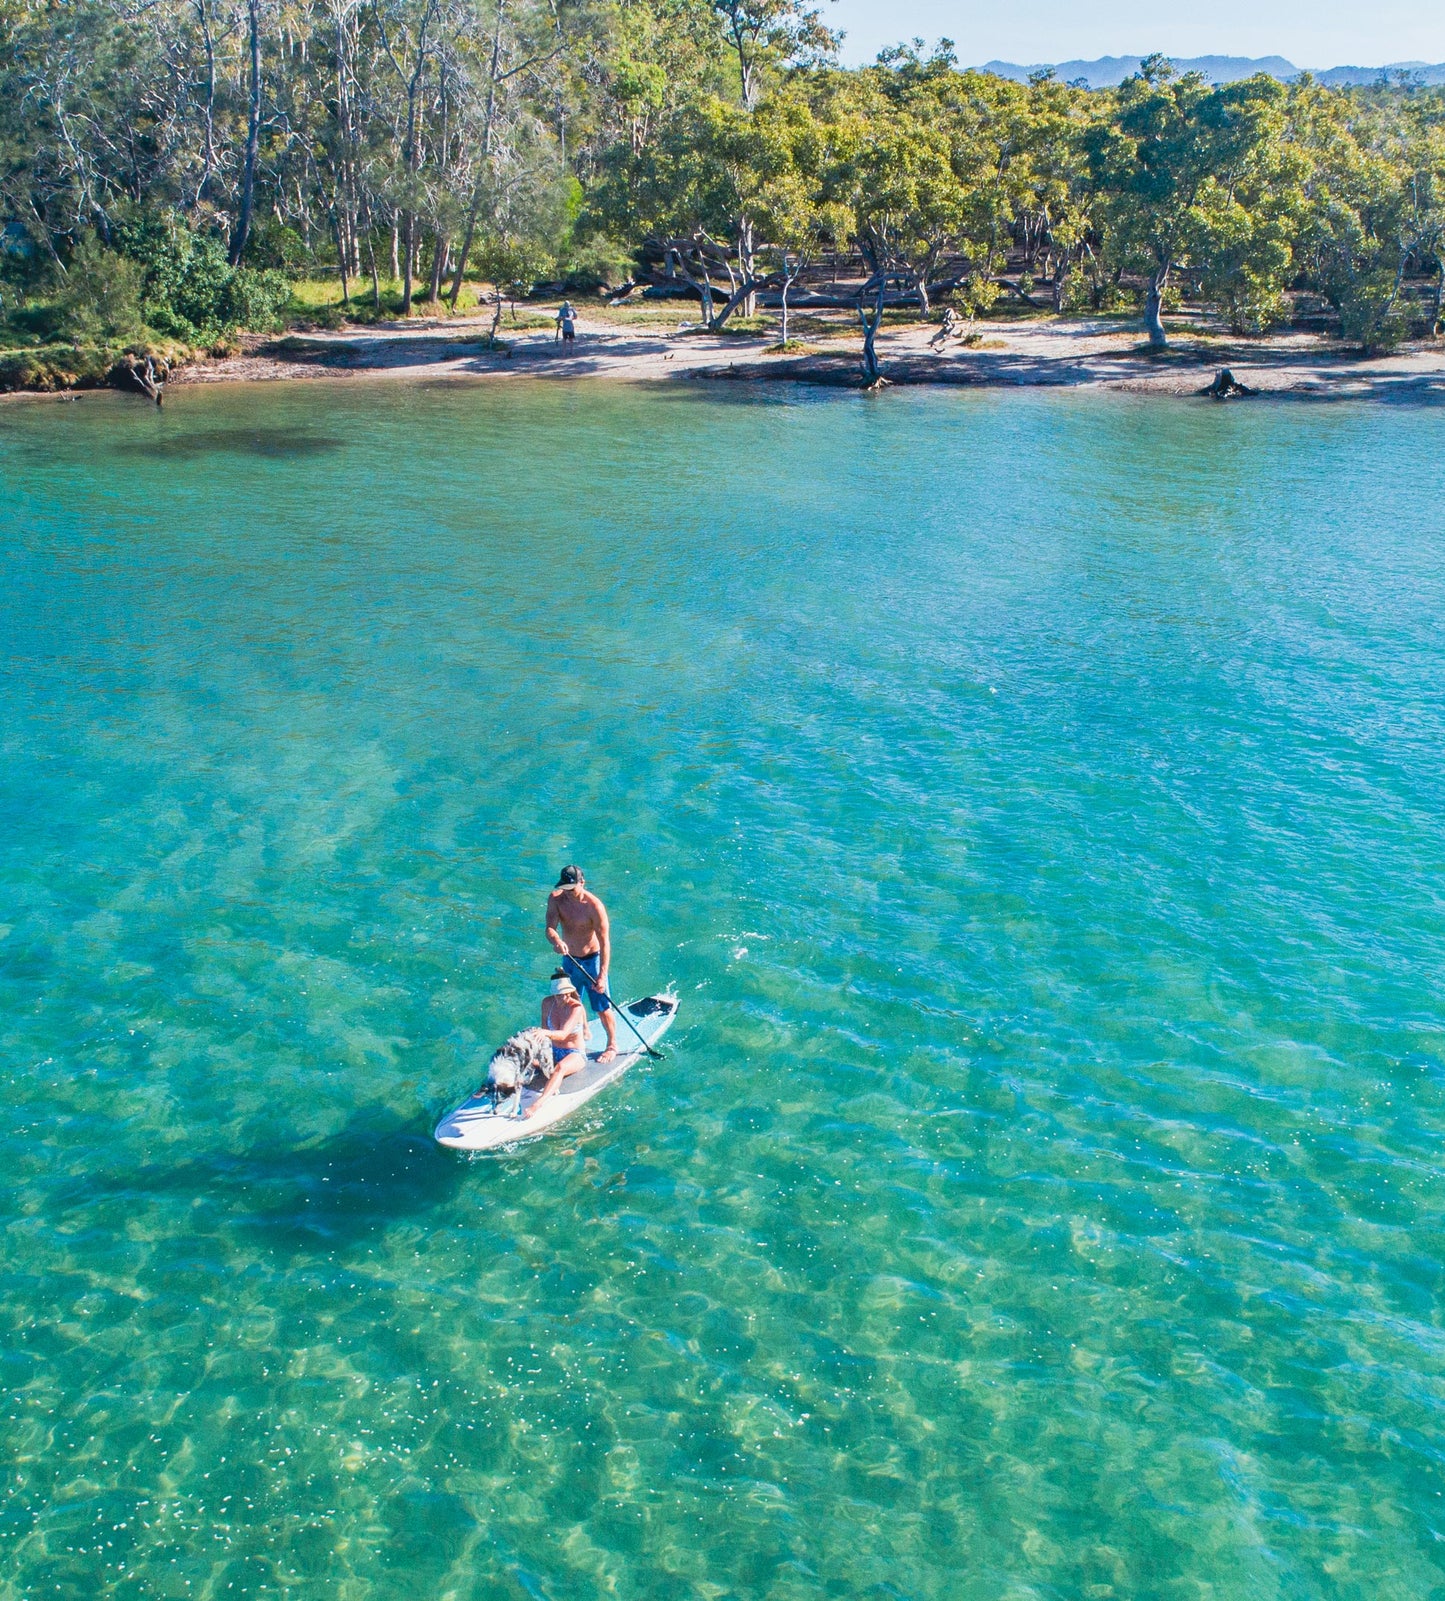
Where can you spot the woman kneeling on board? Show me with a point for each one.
(565, 1024)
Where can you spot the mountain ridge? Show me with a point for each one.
(1107, 72)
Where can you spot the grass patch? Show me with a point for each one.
(790, 347)
(317, 301)
(639, 313)
(51, 368)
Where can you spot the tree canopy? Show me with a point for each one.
(172, 165)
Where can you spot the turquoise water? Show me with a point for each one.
(1037, 803)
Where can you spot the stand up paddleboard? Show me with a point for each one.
(490, 1119)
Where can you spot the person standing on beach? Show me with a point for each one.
(567, 325)
(578, 930)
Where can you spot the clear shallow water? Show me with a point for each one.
(1037, 801)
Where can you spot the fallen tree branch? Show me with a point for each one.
(151, 382)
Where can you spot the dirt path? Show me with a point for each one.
(1043, 352)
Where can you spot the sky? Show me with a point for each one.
(1310, 33)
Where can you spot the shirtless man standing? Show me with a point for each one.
(578, 931)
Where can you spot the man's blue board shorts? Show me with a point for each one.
(585, 971)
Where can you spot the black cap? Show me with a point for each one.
(569, 875)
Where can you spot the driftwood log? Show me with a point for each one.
(1226, 386)
(150, 379)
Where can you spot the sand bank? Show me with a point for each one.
(1040, 352)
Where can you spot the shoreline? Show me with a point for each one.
(1043, 352)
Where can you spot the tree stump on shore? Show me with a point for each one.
(1226, 386)
(150, 380)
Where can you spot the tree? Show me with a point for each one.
(771, 33)
(253, 135)
(695, 190)
(793, 216)
(1170, 168)
(1376, 206)
(100, 302)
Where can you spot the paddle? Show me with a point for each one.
(586, 977)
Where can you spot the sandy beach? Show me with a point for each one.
(1036, 352)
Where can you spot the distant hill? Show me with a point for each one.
(1423, 70)
(1109, 71)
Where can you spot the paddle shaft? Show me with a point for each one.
(582, 971)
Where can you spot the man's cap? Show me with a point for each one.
(562, 986)
(569, 875)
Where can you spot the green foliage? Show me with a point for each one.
(1377, 206)
(253, 300)
(977, 294)
(541, 142)
(53, 367)
(276, 247)
(597, 262)
(1189, 176)
(100, 301)
(189, 289)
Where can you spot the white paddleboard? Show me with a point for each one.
(486, 1121)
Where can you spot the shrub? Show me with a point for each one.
(596, 263)
(100, 301)
(1254, 307)
(190, 290)
(254, 299)
(273, 245)
(1370, 314)
(976, 294)
(53, 368)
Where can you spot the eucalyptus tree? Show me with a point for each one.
(1047, 164)
(794, 215)
(247, 196)
(692, 190)
(930, 166)
(1376, 193)
(763, 34)
(1424, 160)
(1173, 165)
(508, 146)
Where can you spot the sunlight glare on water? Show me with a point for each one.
(1036, 800)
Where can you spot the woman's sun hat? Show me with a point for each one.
(562, 986)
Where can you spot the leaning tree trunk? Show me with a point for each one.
(1153, 307)
(467, 237)
(253, 138)
(745, 262)
(872, 373)
(742, 293)
(341, 253)
(408, 262)
(440, 245)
